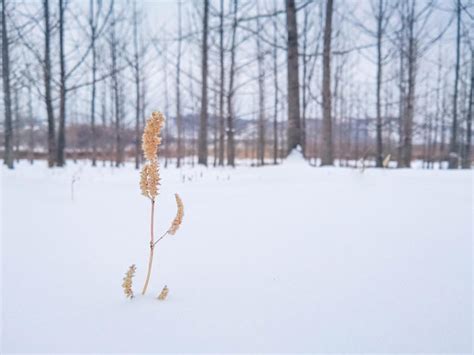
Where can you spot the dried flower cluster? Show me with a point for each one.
(179, 216)
(150, 174)
(164, 293)
(127, 281)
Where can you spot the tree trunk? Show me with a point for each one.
(94, 73)
(467, 154)
(327, 147)
(16, 124)
(221, 83)
(47, 84)
(379, 157)
(410, 100)
(304, 92)
(261, 96)
(178, 91)
(276, 89)
(115, 83)
(62, 89)
(31, 140)
(167, 108)
(453, 143)
(294, 129)
(137, 87)
(8, 150)
(230, 93)
(202, 151)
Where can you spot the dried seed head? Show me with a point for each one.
(150, 179)
(144, 180)
(151, 135)
(127, 281)
(163, 293)
(150, 174)
(153, 178)
(179, 216)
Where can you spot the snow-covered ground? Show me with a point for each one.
(276, 259)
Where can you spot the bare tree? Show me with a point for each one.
(62, 89)
(453, 143)
(8, 153)
(116, 89)
(294, 128)
(382, 19)
(261, 94)
(178, 91)
(167, 106)
(275, 89)
(136, 67)
(32, 121)
(467, 154)
(222, 84)
(47, 84)
(230, 92)
(409, 109)
(93, 29)
(327, 147)
(202, 150)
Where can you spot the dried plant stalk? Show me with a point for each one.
(150, 175)
(163, 294)
(127, 281)
(150, 182)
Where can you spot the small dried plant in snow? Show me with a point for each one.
(150, 182)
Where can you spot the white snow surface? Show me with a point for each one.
(287, 258)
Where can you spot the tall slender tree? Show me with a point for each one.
(221, 85)
(62, 90)
(47, 84)
(93, 29)
(380, 28)
(453, 143)
(294, 125)
(136, 67)
(327, 147)
(231, 91)
(411, 62)
(467, 154)
(8, 148)
(261, 93)
(178, 91)
(202, 149)
(275, 91)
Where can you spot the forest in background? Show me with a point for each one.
(372, 80)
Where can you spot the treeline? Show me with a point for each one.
(239, 79)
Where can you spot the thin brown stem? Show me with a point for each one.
(164, 235)
(152, 246)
